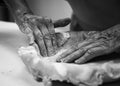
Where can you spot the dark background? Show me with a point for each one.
(54, 9)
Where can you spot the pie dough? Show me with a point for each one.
(90, 74)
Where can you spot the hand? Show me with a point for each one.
(41, 30)
(86, 45)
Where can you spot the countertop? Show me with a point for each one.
(12, 70)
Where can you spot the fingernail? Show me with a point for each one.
(61, 60)
(66, 60)
(78, 61)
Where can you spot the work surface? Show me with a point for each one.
(12, 70)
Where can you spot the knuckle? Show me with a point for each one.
(53, 36)
(91, 52)
(74, 47)
(37, 32)
(47, 37)
(39, 37)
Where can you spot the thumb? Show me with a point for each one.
(61, 22)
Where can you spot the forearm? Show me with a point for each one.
(18, 7)
(109, 37)
(112, 36)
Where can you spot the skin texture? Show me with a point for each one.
(81, 46)
(40, 30)
(92, 74)
(85, 45)
(43, 33)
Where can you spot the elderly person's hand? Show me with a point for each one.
(38, 29)
(41, 30)
(83, 46)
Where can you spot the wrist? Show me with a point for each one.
(18, 7)
(21, 14)
(21, 20)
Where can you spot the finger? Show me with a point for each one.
(85, 43)
(90, 46)
(80, 52)
(91, 53)
(72, 49)
(31, 38)
(38, 36)
(51, 30)
(46, 38)
(62, 22)
(66, 53)
(39, 40)
(75, 55)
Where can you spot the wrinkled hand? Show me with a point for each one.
(41, 30)
(83, 46)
